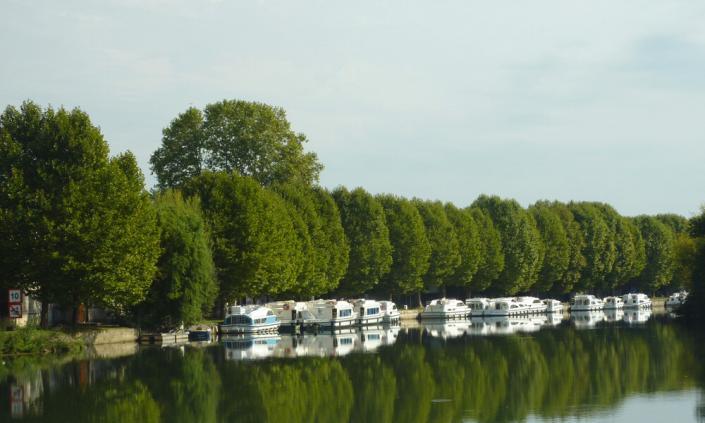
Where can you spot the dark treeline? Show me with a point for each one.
(554, 374)
(238, 213)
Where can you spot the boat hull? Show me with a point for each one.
(240, 328)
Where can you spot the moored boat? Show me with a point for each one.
(553, 306)
(478, 306)
(636, 301)
(445, 308)
(291, 313)
(250, 319)
(676, 300)
(369, 312)
(532, 304)
(613, 303)
(586, 303)
(331, 314)
(390, 313)
(506, 307)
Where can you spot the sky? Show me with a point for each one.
(549, 99)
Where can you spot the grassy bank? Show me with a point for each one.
(37, 341)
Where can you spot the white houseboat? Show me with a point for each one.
(553, 306)
(586, 303)
(636, 301)
(478, 306)
(532, 304)
(506, 307)
(331, 314)
(445, 308)
(613, 315)
(676, 300)
(369, 312)
(291, 313)
(390, 313)
(613, 303)
(250, 319)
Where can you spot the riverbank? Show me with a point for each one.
(37, 341)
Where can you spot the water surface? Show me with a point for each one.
(590, 367)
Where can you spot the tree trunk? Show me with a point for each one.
(443, 290)
(44, 315)
(418, 297)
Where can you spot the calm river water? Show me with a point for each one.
(591, 367)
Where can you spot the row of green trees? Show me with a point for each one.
(554, 374)
(237, 213)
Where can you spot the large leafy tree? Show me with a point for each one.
(445, 249)
(557, 249)
(521, 243)
(255, 246)
(677, 223)
(469, 245)
(252, 139)
(410, 247)
(366, 229)
(599, 249)
(322, 239)
(334, 245)
(491, 262)
(658, 241)
(76, 226)
(576, 244)
(629, 259)
(185, 286)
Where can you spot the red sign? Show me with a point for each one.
(15, 311)
(14, 296)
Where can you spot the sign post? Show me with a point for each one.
(14, 303)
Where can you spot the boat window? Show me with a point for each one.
(239, 319)
(374, 310)
(345, 313)
(345, 341)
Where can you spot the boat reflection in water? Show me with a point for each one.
(587, 319)
(328, 344)
(447, 329)
(249, 347)
(637, 316)
(614, 315)
(492, 325)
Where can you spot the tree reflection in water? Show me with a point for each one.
(552, 374)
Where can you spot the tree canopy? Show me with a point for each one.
(185, 286)
(250, 138)
(76, 225)
(366, 229)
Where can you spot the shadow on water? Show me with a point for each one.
(479, 371)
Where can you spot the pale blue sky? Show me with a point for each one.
(567, 100)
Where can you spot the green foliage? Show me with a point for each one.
(469, 245)
(557, 250)
(250, 138)
(181, 156)
(365, 228)
(491, 263)
(599, 249)
(629, 254)
(93, 228)
(185, 286)
(410, 247)
(677, 223)
(521, 243)
(445, 249)
(255, 246)
(317, 222)
(35, 341)
(333, 244)
(658, 241)
(576, 244)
